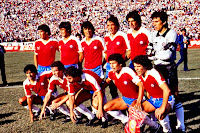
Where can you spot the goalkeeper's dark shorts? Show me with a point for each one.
(169, 72)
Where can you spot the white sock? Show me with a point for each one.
(180, 116)
(84, 110)
(151, 123)
(166, 124)
(63, 110)
(50, 111)
(35, 108)
(26, 107)
(77, 113)
(118, 115)
(94, 111)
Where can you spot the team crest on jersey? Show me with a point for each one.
(141, 42)
(38, 48)
(152, 85)
(95, 47)
(118, 43)
(71, 46)
(125, 82)
(51, 47)
(42, 83)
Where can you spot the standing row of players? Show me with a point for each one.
(160, 46)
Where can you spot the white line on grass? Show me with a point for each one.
(17, 86)
(187, 78)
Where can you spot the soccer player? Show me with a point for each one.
(116, 42)
(90, 82)
(70, 47)
(36, 84)
(164, 47)
(93, 47)
(129, 85)
(57, 69)
(138, 36)
(161, 101)
(45, 49)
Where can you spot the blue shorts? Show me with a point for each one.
(131, 65)
(98, 70)
(41, 69)
(66, 66)
(108, 68)
(42, 97)
(157, 102)
(128, 101)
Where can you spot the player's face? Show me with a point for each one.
(183, 33)
(42, 34)
(31, 75)
(133, 24)
(112, 28)
(56, 72)
(87, 32)
(158, 24)
(72, 80)
(64, 33)
(140, 70)
(115, 66)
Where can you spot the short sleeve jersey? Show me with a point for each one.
(46, 51)
(90, 81)
(117, 44)
(138, 42)
(126, 81)
(39, 86)
(56, 81)
(164, 56)
(69, 50)
(93, 51)
(152, 82)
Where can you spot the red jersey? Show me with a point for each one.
(39, 86)
(90, 81)
(152, 82)
(69, 50)
(117, 44)
(138, 42)
(93, 51)
(46, 51)
(57, 81)
(126, 81)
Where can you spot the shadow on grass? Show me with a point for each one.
(191, 111)
(6, 115)
(13, 83)
(2, 103)
(6, 122)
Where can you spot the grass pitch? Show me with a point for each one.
(14, 118)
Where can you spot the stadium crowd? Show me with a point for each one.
(20, 19)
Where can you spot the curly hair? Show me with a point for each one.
(73, 71)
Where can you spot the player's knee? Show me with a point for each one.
(22, 102)
(106, 107)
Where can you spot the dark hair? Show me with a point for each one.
(45, 28)
(183, 29)
(58, 64)
(66, 25)
(118, 58)
(144, 61)
(134, 14)
(73, 71)
(78, 35)
(162, 15)
(87, 25)
(30, 67)
(113, 19)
